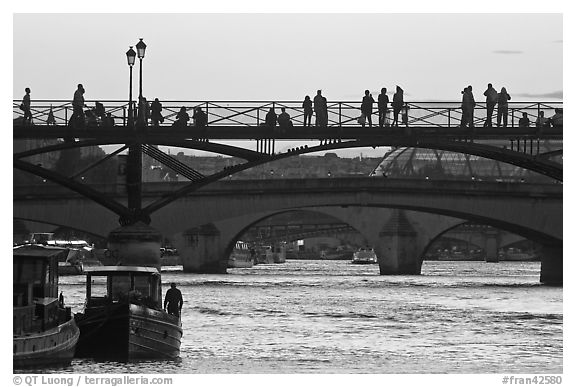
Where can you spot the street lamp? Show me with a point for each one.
(141, 48)
(131, 57)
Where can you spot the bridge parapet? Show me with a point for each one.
(253, 113)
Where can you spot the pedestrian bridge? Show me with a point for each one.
(234, 128)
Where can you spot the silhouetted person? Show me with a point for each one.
(503, 98)
(541, 121)
(524, 122)
(383, 101)
(100, 111)
(307, 106)
(271, 118)
(78, 104)
(182, 118)
(491, 99)
(557, 119)
(51, 120)
(173, 300)
(90, 117)
(397, 103)
(321, 109)
(284, 120)
(200, 118)
(366, 107)
(109, 120)
(25, 106)
(156, 113)
(405, 114)
(61, 300)
(468, 104)
(143, 111)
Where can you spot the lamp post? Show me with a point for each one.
(131, 57)
(141, 49)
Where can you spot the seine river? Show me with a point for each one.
(335, 317)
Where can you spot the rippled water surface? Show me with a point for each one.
(335, 317)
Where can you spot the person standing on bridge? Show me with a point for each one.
(397, 103)
(307, 106)
(271, 118)
(471, 104)
(25, 106)
(491, 99)
(383, 101)
(156, 113)
(366, 107)
(503, 98)
(199, 117)
(524, 121)
(321, 109)
(173, 300)
(182, 118)
(541, 121)
(78, 105)
(284, 120)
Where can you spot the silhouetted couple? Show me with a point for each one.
(182, 117)
(283, 120)
(494, 98)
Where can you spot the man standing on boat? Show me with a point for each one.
(173, 300)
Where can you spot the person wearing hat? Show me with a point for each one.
(173, 300)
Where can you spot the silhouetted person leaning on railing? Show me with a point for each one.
(383, 101)
(503, 98)
(491, 99)
(182, 118)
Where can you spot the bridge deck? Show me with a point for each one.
(123, 134)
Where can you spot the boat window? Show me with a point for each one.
(98, 286)
(119, 286)
(142, 285)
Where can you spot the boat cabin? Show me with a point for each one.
(35, 288)
(106, 285)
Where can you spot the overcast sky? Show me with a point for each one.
(287, 56)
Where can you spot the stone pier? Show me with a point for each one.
(201, 250)
(491, 244)
(397, 247)
(135, 245)
(551, 269)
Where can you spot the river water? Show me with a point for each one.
(335, 317)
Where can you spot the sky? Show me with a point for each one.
(268, 56)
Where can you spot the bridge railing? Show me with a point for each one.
(253, 113)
